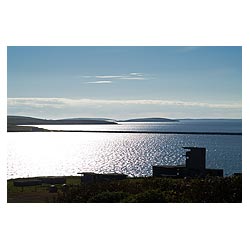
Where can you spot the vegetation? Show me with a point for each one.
(37, 193)
(136, 190)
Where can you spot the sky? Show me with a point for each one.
(125, 82)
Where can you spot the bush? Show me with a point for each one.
(158, 190)
(151, 196)
(108, 197)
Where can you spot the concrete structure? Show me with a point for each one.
(195, 158)
(27, 182)
(195, 166)
(89, 177)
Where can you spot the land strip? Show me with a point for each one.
(150, 132)
(134, 190)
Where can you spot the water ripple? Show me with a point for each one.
(37, 154)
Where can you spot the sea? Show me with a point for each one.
(65, 153)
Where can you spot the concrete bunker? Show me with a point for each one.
(195, 166)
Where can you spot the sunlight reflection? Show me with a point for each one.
(42, 153)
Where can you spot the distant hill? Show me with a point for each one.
(91, 119)
(22, 120)
(150, 120)
(15, 128)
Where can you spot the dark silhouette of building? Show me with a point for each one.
(89, 177)
(195, 166)
(195, 158)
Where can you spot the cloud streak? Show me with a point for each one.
(108, 77)
(67, 102)
(135, 76)
(100, 82)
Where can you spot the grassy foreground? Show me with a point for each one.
(134, 190)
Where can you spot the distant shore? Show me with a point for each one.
(151, 132)
(36, 129)
(16, 128)
(28, 124)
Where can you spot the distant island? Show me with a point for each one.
(150, 120)
(14, 123)
(17, 123)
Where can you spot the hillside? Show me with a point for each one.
(150, 120)
(14, 121)
(22, 120)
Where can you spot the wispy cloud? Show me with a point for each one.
(135, 76)
(64, 102)
(100, 82)
(108, 77)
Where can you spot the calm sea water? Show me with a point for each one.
(62, 153)
(181, 126)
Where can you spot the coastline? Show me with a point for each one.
(36, 129)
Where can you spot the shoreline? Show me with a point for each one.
(132, 132)
(79, 176)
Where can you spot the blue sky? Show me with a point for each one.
(125, 82)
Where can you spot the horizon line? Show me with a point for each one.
(106, 118)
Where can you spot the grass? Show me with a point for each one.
(136, 190)
(37, 194)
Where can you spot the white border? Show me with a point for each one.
(119, 226)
